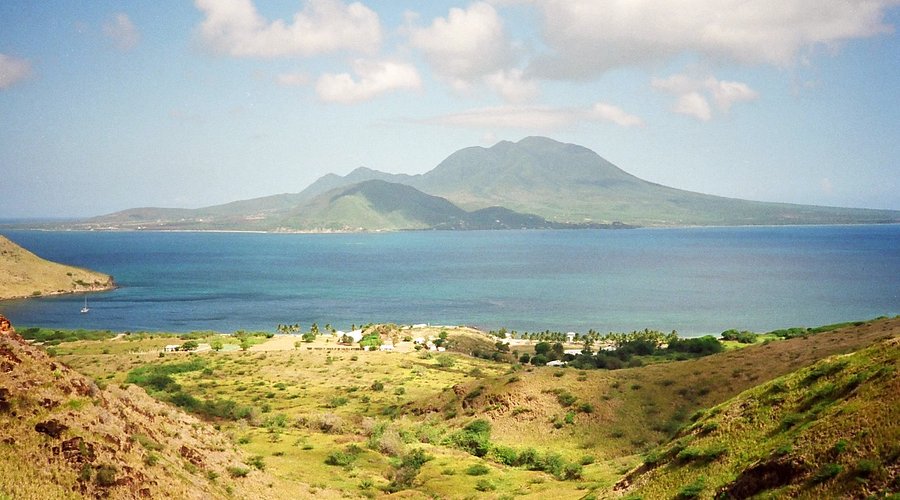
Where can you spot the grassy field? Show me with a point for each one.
(320, 417)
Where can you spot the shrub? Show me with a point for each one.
(485, 485)
(257, 461)
(826, 472)
(340, 458)
(408, 469)
(505, 455)
(477, 470)
(474, 438)
(564, 398)
(445, 361)
(106, 475)
(692, 490)
(238, 471)
(865, 468)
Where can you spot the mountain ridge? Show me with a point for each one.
(559, 182)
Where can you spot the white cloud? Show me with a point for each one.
(466, 45)
(587, 37)
(292, 79)
(13, 71)
(374, 78)
(234, 27)
(512, 86)
(538, 117)
(693, 104)
(614, 114)
(123, 33)
(693, 94)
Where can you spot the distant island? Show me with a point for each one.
(536, 183)
(24, 274)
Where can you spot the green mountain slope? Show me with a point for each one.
(378, 205)
(827, 431)
(566, 182)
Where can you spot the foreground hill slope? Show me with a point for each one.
(24, 274)
(827, 431)
(62, 436)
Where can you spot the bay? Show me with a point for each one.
(693, 280)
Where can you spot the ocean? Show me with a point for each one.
(692, 280)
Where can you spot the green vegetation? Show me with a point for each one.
(455, 425)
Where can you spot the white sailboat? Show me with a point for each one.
(85, 309)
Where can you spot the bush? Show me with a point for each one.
(340, 458)
(692, 490)
(505, 455)
(257, 461)
(406, 472)
(238, 471)
(106, 475)
(826, 472)
(703, 345)
(474, 438)
(485, 485)
(477, 470)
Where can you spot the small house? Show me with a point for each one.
(172, 348)
(556, 362)
(570, 337)
(573, 352)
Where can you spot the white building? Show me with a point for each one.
(570, 337)
(172, 348)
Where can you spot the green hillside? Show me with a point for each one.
(377, 205)
(827, 431)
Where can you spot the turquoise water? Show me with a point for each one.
(694, 280)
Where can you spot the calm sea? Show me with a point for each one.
(695, 280)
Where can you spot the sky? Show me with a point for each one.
(108, 105)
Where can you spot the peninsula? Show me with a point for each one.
(24, 274)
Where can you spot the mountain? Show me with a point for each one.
(562, 183)
(24, 274)
(381, 205)
(62, 435)
(570, 183)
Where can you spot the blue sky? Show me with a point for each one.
(111, 105)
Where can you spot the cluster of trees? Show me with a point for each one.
(744, 337)
(625, 350)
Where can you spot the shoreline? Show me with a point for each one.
(394, 231)
(112, 286)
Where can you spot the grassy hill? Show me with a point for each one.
(63, 435)
(24, 274)
(324, 417)
(831, 430)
